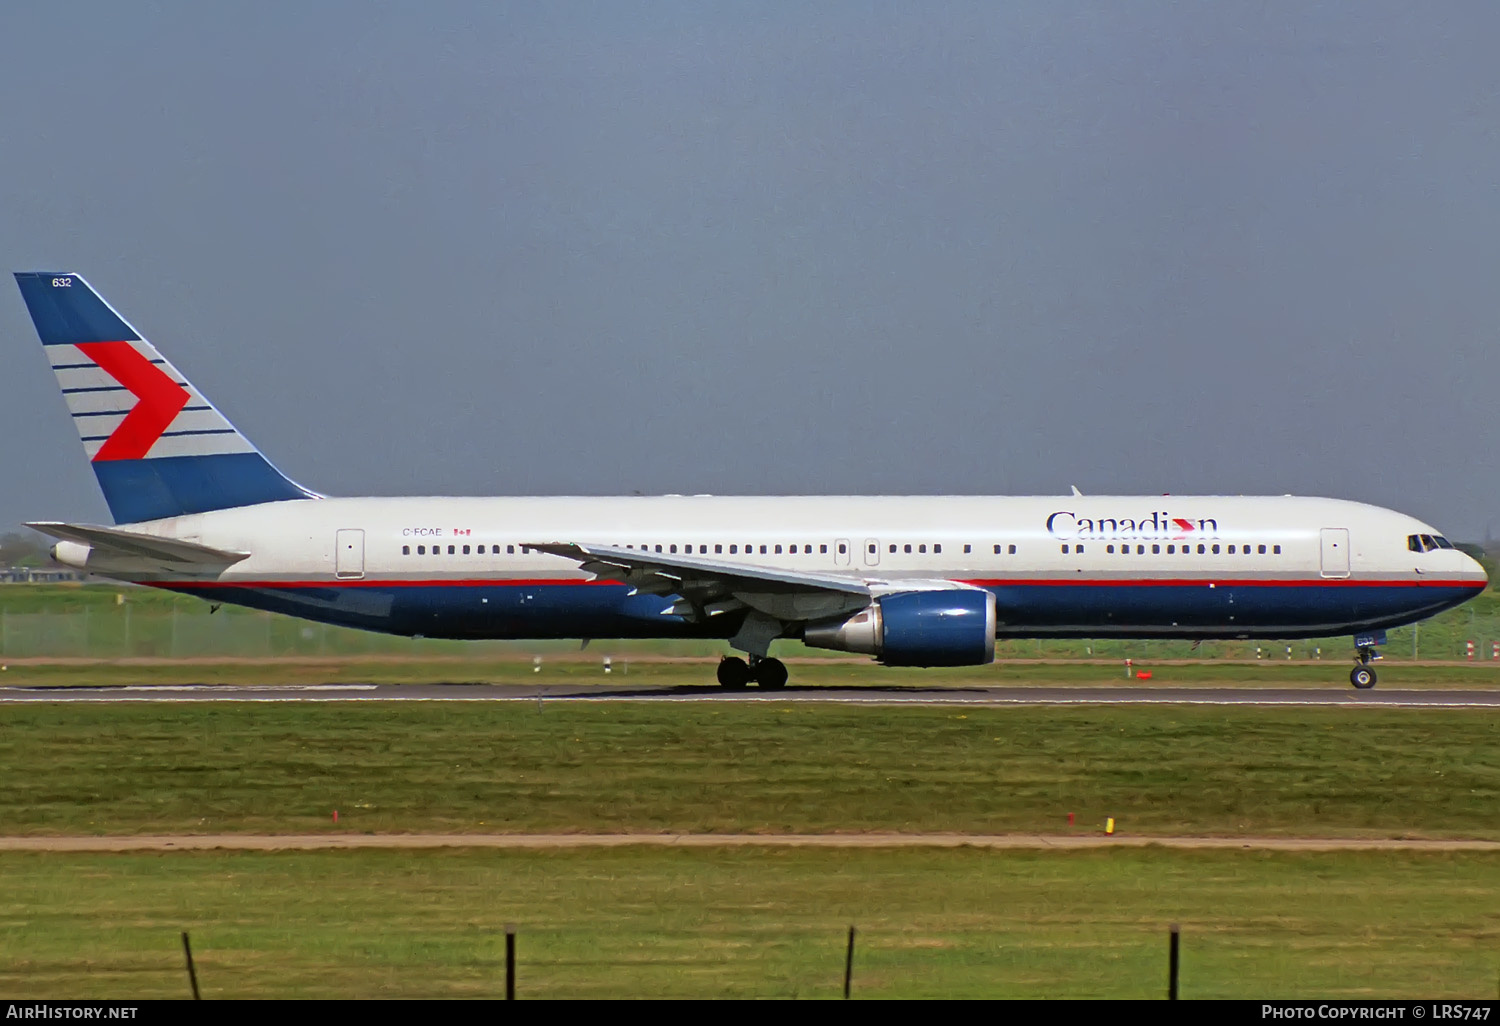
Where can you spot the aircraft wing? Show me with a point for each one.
(111, 544)
(709, 588)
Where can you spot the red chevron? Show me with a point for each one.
(160, 399)
(1186, 525)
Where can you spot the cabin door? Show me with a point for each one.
(1335, 551)
(349, 554)
(841, 552)
(872, 552)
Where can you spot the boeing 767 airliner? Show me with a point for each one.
(909, 580)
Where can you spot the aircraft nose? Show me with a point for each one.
(1477, 567)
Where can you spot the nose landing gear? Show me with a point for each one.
(1363, 675)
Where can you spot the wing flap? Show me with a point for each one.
(708, 588)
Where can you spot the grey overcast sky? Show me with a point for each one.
(592, 248)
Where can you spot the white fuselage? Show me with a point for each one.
(1148, 566)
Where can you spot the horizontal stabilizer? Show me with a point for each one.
(112, 544)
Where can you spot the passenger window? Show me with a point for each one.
(1155, 550)
(1245, 550)
(997, 550)
(466, 550)
(1110, 549)
(658, 547)
(672, 548)
(1171, 550)
(1077, 548)
(1275, 550)
(778, 550)
(921, 548)
(937, 548)
(1216, 550)
(1140, 550)
(718, 549)
(762, 550)
(450, 550)
(406, 550)
(510, 550)
(1202, 549)
(1012, 550)
(872, 549)
(1065, 550)
(893, 548)
(421, 550)
(908, 547)
(1261, 549)
(734, 550)
(968, 548)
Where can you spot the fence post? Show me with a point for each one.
(187, 949)
(510, 961)
(849, 963)
(1172, 965)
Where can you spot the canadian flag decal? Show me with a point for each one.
(159, 399)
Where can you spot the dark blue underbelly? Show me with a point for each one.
(1309, 609)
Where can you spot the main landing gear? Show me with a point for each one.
(734, 673)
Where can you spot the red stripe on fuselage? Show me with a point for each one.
(1062, 582)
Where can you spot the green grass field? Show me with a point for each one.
(642, 922)
(745, 768)
(639, 922)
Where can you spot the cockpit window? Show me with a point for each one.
(1427, 543)
(1442, 543)
(1414, 543)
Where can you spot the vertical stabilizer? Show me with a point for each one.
(158, 447)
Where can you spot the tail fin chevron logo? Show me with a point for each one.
(160, 399)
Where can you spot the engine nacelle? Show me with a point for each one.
(949, 627)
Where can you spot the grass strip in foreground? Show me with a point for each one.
(745, 768)
(642, 922)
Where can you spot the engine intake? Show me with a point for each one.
(948, 627)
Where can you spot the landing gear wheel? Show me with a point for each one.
(1362, 677)
(733, 673)
(771, 673)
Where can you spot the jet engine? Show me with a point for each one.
(945, 627)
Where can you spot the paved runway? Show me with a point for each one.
(873, 695)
